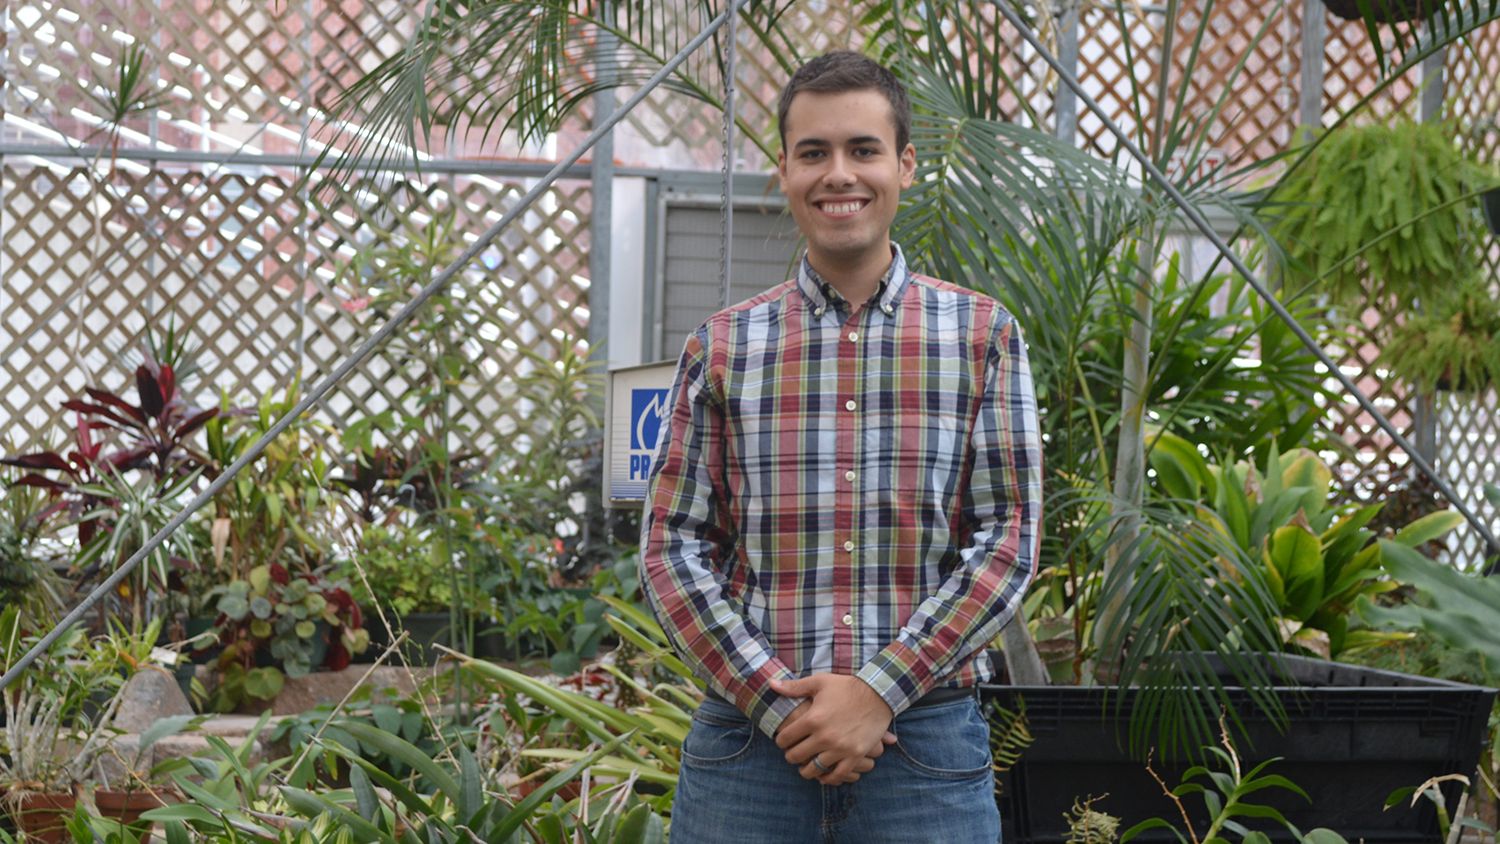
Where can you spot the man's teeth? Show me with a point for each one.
(842, 207)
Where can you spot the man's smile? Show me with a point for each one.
(841, 207)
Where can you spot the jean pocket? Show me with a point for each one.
(949, 741)
(719, 734)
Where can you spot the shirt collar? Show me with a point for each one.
(820, 294)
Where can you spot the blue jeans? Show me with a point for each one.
(935, 784)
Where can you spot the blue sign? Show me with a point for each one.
(647, 410)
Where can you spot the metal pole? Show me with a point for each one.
(726, 241)
(1310, 92)
(1064, 104)
(602, 193)
(364, 350)
(1430, 108)
(1202, 224)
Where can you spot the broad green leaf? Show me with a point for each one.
(405, 752)
(1180, 469)
(1297, 556)
(1303, 468)
(1428, 528)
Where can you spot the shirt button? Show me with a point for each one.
(850, 405)
(848, 546)
(853, 335)
(887, 309)
(817, 312)
(849, 475)
(848, 620)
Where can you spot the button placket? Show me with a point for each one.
(847, 427)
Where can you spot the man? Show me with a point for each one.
(843, 511)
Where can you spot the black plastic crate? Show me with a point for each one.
(1355, 735)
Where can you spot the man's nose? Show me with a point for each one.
(838, 174)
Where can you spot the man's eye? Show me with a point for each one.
(864, 152)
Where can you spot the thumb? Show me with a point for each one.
(804, 687)
(889, 738)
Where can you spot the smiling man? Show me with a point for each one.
(843, 511)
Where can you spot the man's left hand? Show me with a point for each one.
(844, 721)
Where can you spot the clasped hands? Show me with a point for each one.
(838, 732)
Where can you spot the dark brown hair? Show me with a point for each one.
(846, 70)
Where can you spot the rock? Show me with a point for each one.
(310, 691)
(151, 694)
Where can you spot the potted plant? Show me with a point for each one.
(277, 622)
(1452, 342)
(54, 727)
(1346, 732)
(404, 569)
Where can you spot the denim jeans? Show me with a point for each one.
(935, 784)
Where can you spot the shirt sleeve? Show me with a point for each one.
(1001, 509)
(685, 537)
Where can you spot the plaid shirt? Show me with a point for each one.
(856, 493)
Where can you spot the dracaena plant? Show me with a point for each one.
(130, 466)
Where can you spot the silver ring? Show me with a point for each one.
(818, 763)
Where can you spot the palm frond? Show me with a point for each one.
(508, 66)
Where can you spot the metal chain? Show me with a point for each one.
(317, 393)
(726, 196)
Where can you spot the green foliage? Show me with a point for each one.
(1369, 240)
(1317, 559)
(1226, 790)
(53, 727)
(300, 620)
(404, 568)
(279, 509)
(1457, 608)
(1452, 343)
(1088, 826)
(570, 622)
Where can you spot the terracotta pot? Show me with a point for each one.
(1385, 11)
(126, 807)
(43, 816)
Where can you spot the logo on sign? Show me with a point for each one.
(647, 407)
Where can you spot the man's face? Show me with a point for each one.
(843, 176)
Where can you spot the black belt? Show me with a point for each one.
(932, 698)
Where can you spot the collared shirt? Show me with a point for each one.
(845, 490)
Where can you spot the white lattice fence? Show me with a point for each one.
(252, 275)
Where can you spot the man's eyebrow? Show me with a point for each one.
(861, 140)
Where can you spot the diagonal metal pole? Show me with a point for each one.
(374, 341)
(1198, 220)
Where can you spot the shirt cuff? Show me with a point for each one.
(899, 675)
(773, 714)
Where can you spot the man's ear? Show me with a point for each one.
(908, 165)
(781, 170)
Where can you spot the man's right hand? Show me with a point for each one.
(864, 765)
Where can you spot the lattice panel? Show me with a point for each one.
(251, 276)
(1349, 73)
(1259, 97)
(1469, 433)
(672, 130)
(526, 290)
(1106, 63)
(1374, 462)
(1473, 95)
(226, 72)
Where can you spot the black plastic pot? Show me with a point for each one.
(1385, 11)
(1491, 201)
(1356, 735)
